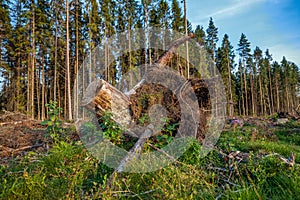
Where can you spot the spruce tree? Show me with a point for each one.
(5, 55)
(244, 53)
(200, 35)
(177, 23)
(225, 64)
(257, 55)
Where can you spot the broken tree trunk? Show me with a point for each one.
(104, 97)
(101, 97)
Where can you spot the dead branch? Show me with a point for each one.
(12, 150)
(17, 122)
(165, 58)
(136, 150)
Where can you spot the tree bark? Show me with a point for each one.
(277, 94)
(68, 71)
(186, 43)
(55, 57)
(231, 109)
(261, 95)
(271, 90)
(32, 65)
(43, 89)
(246, 92)
(76, 64)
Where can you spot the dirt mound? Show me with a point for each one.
(19, 134)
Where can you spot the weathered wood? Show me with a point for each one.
(101, 97)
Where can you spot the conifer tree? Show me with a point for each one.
(200, 35)
(225, 64)
(257, 55)
(5, 55)
(211, 41)
(276, 71)
(244, 53)
(177, 23)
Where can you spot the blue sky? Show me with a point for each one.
(272, 24)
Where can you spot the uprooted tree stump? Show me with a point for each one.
(127, 108)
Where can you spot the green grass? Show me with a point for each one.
(68, 171)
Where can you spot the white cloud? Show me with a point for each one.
(291, 53)
(234, 7)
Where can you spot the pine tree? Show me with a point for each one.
(257, 54)
(108, 15)
(43, 39)
(177, 23)
(244, 53)
(211, 40)
(200, 35)
(252, 71)
(286, 73)
(268, 59)
(225, 64)
(5, 54)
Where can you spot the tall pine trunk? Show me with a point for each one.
(38, 88)
(277, 94)
(242, 92)
(76, 64)
(68, 71)
(252, 95)
(261, 96)
(246, 92)
(43, 89)
(271, 90)
(32, 65)
(231, 109)
(186, 43)
(55, 57)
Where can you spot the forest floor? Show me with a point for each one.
(254, 161)
(19, 134)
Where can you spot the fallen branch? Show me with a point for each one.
(135, 195)
(133, 153)
(136, 150)
(12, 150)
(227, 181)
(17, 122)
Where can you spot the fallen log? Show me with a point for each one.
(101, 97)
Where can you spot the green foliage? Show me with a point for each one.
(111, 130)
(64, 173)
(211, 38)
(166, 133)
(69, 172)
(54, 123)
(143, 119)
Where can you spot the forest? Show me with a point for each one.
(44, 43)
(46, 51)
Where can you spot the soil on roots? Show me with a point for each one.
(150, 94)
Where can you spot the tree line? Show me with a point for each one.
(43, 43)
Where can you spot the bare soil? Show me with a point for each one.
(18, 135)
